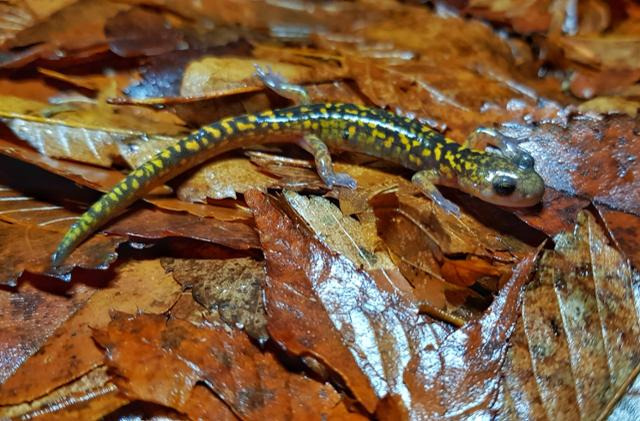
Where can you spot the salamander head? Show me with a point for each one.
(502, 181)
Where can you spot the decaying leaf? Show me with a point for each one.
(103, 179)
(210, 75)
(364, 332)
(96, 135)
(576, 347)
(156, 224)
(590, 157)
(624, 229)
(137, 286)
(52, 38)
(557, 213)
(42, 224)
(91, 395)
(29, 233)
(223, 179)
(232, 287)
(30, 315)
(161, 361)
(461, 378)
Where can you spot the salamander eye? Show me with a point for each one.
(525, 161)
(504, 185)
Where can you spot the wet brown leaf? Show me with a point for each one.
(587, 83)
(264, 15)
(624, 229)
(142, 32)
(156, 224)
(71, 352)
(211, 77)
(103, 179)
(224, 178)
(161, 361)
(92, 395)
(96, 135)
(320, 304)
(558, 212)
(577, 347)
(440, 253)
(43, 225)
(613, 52)
(76, 29)
(591, 157)
(591, 16)
(231, 212)
(232, 287)
(442, 99)
(33, 233)
(349, 274)
(31, 314)
(460, 378)
(16, 16)
(97, 84)
(97, 178)
(344, 235)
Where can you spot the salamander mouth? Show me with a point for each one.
(520, 202)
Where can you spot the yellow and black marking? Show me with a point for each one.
(341, 126)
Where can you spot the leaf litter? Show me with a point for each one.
(353, 308)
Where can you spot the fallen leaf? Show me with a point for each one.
(586, 83)
(232, 287)
(440, 253)
(558, 212)
(461, 377)
(224, 178)
(320, 304)
(342, 234)
(161, 361)
(91, 395)
(28, 248)
(624, 230)
(96, 135)
(137, 286)
(97, 178)
(610, 105)
(139, 31)
(103, 179)
(589, 158)
(60, 33)
(211, 77)
(577, 346)
(613, 51)
(31, 314)
(156, 224)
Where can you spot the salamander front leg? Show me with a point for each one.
(426, 181)
(279, 85)
(324, 166)
(508, 146)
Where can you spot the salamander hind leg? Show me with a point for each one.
(425, 180)
(324, 165)
(507, 146)
(281, 86)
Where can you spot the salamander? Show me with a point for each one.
(318, 128)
